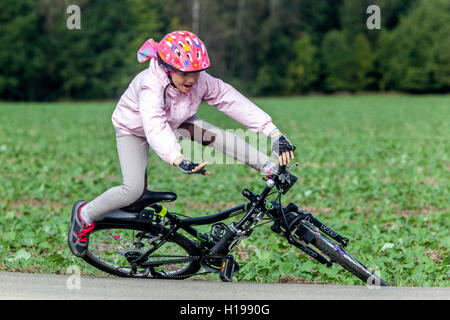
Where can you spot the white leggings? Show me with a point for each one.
(133, 156)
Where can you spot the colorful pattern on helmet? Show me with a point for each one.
(183, 51)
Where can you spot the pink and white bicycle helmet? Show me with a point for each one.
(183, 51)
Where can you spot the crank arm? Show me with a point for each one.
(161, 263)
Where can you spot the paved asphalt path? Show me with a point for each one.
(71, 287)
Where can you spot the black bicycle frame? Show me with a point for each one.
(186, 224)
(146, 217)
(254, 211)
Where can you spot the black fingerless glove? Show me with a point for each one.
(281, 144)
(186, 166)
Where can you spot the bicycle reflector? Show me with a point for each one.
(228, 268)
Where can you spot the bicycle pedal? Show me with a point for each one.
(228, 269)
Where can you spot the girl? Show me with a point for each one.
(159, 107)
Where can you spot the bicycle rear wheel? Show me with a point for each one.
(113, 249)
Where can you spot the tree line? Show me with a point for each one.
(262, 47)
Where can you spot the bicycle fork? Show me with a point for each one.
(321, 226)
(300, 236)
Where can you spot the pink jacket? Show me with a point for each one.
(141, 109)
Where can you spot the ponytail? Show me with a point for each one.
(149, 50)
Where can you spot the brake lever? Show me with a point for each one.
(295, 164)
(286, 175)
(282, 175)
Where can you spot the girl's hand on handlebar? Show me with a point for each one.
(285, 158)
(282, 147)
(200, 167)
(188, 167)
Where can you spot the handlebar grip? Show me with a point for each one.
(202, 171)
(221, 246)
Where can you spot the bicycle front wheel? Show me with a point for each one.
(340, 256)
(114, 250)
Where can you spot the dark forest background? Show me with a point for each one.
(262, 47)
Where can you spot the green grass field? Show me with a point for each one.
(375, 168)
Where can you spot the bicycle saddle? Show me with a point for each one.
(149, 198)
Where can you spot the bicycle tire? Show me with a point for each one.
(117, 263)
(340, 256)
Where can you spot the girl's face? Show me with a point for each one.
(184, 81)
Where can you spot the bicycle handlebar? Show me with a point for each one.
(282, 178)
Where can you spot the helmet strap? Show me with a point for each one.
(169, 75)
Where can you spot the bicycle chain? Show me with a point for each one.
(191, 258)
